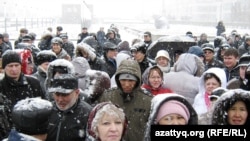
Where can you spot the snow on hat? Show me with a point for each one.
(45, 56)
(173, 107)
(63, 83)
(127, 76)
(162, 53)
(10, 56)
(30, 116)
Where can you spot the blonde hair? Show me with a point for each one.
(110, 110)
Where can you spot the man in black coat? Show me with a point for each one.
(82, 35)
(15, 85)
(69, 117)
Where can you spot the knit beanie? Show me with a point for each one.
(173, 107)
(10, 56)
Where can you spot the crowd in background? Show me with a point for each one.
(107, 88)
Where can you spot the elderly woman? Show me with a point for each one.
(107, 122)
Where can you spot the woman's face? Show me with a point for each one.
(155, 79)
(211, 84)
(110, 128)
(172, 119)
(162, 61)
(237, 114)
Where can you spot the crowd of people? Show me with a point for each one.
(107, 88)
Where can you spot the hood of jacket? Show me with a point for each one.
(84, 47)
(131, 67)
(145, 75)
(189, 63)
(226, 100)
(199, 102)
(81, 65)
(156, 103)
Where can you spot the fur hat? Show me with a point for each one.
(173, 107)
(10, 56)
(63, 83)
(30, 116)
(45, 56)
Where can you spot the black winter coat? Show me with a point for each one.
(26, 86)
(69, 125)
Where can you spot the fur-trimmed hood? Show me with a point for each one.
(156, 103)
(226, 100)
(84, 47)
(66, 65)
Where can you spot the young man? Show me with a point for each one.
(139, 53)
(110, 52)
(56, 44)
(230, 58)
(67, 45)
(42, 61)
(240, 82)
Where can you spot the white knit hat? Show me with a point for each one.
(162, 53)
